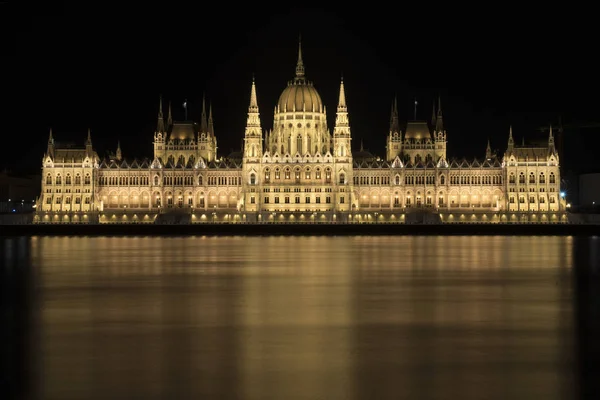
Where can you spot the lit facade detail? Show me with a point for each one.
(301, 172)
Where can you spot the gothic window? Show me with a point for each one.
(68, 179)
(542, 178)
(522, 178)
(287, 173)
(277, 174)
(156, 181)
(342, 178)
(199, 179)
(417, 158)
(48, 179)
(397, 179)
(58, 179)
(297, 175)
(307, 174)
(552, 178)
(511, 178)
(299, 144)
(267, 175)
(531, 178)
(428, 158)
(318, 174)
(328, 175)
(442, 180)
(252, 179)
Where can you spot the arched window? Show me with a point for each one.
(397, 180)
(77, 179)
(552, 178)
(68, 179)
(277, 174)
(48, 179)
(442, 180)
(87, 179)
(542, 178)
(58, 179)
(287, 173)
(511, 178)
(156, 180)
(342, 179)
(531, 178)
(307, 174)
(328, 175)
(200, 180)
(252, 179)
(318, 174)
(267, 175)
(299, 144)
(521, 178)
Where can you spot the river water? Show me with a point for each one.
(299, 317)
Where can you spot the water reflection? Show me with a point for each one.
(293, 317)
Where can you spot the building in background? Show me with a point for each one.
(589, 192)
(18, 193)
(300, 171)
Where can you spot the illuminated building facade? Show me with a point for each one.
(301, 172)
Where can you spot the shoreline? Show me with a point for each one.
(298, 229)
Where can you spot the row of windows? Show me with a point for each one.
(87, 179)
(475, 179)
(342, 180)
(123, 180)
(307, 199)
(297, 200)
(532, 180)
(297, 174)
(542, 200)
(58, 200)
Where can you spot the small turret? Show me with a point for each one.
(511, 140)
(50, 150)
(439, 123)
(118, 154)
(160, 126)
(88, 143)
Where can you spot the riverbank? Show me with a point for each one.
(299, 229)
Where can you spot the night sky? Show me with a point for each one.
(73, 68)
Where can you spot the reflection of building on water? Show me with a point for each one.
(301, 172)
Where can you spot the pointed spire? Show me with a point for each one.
(433, 115)
(394, 124)
(511, 141)
(361, 145)
(551, 141)
(299, 64)
(342, 100)
(523, 142)
(510, 135)
(253, 98)
(439, 122)
(203, 122)
(89, 137)
(211, 128)
(488, 150)
(169, 118)
(50, 138)
(119, 155)
(160, 127)
(253, 120)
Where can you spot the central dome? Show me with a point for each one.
(300, 96)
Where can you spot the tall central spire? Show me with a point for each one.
(299, 64)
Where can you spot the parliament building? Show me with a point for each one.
(300, 171)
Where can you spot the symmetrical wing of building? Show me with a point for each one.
(300, 172)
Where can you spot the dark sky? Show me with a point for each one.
(71, 68)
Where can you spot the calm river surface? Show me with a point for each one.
(356, 317)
